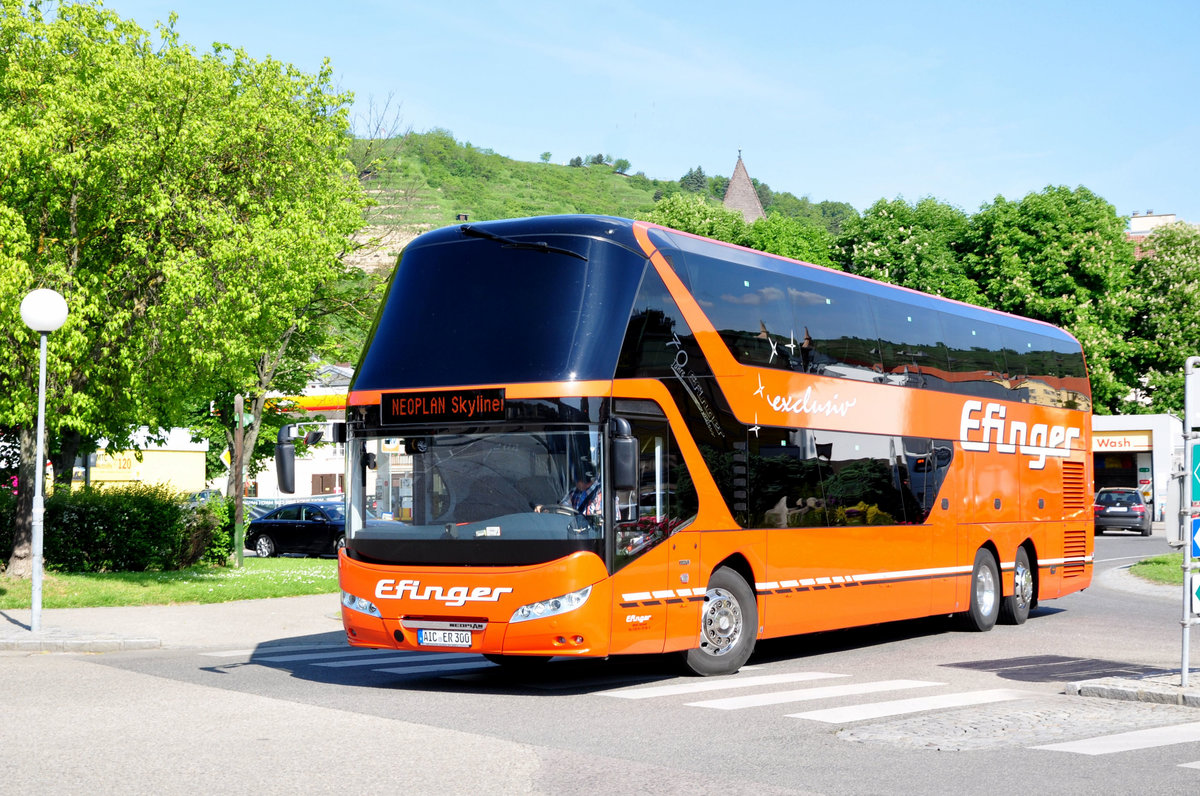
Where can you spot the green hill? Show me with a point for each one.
(421, 181)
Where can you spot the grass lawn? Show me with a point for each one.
(1161, 569)
(258, 578)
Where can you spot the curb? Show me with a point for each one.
(32, 643)
(1162, 689)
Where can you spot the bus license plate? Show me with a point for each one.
(444, 638)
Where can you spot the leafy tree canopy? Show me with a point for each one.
(188, 207)
(1061, 256)
(1166, 324)
(918, 246)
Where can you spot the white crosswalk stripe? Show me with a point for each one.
(1130, 741)
(478, 663)
(809, 694)
(410, 657)
(898, 707)
(261, 650)
(316, 656)
(342, 658)
(698, 686)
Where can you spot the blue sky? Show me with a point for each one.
(961, 101)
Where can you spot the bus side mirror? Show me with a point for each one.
(285, 459)
(624, 456)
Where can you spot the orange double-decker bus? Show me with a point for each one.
(594, 436)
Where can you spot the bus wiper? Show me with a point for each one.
(509, 243)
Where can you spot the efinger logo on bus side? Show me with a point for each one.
(985, 425)
(453, 597)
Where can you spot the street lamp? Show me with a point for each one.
(43, 311)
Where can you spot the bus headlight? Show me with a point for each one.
(359, 604)
(552, 607)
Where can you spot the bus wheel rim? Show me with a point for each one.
(1023, 585)
(721, 623)
(985, 591)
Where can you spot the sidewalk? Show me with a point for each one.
(1162, 688)
(245, 623)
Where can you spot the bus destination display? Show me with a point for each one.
(444, 406)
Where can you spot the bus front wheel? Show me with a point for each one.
(728, 626)
(985, 592)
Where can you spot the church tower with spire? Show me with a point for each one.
(740, 194)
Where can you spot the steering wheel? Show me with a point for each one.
(557, 508)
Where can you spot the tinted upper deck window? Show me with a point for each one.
(474, 311)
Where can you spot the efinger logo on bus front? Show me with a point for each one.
(453, 597)
(984, 426)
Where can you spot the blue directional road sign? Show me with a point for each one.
(1195, 537)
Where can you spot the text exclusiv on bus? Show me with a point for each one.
(591, 436)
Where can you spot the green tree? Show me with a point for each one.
(694, 181)
(764, 192)
(189, 207)
(1061, 256)
(918, 246)
(695, 214)
(717, 186)
(797, 238)
(621, 165)
(545, 157)
(1166, 324)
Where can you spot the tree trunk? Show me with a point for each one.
(69, 443)
(20, 564)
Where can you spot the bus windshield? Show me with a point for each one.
(521, 496)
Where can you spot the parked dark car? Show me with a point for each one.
(308, 528)
(1121, 508)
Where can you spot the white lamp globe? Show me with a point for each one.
(44, 310)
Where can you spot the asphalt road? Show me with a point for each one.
(827, 713)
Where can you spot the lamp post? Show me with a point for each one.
(43, 311)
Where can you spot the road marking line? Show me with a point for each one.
(412, 657)
(698, 686)
(1190, 765)
(316, 656)
(269, 650)
(439, 667)
(806, 694)
(898, 707)
(1130, 741)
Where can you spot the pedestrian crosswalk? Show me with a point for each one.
(830, 698)
(387, 661)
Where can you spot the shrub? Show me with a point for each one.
(126, 529)
(210, 532)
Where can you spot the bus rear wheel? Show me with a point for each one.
(728, 626)
(1015, 609)
(985, 592)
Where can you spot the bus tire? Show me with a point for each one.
(1015, 608)
(728, 626)
(985, 592)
